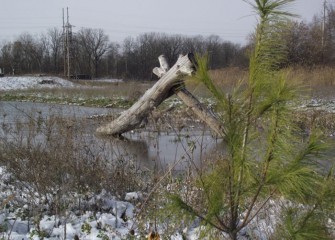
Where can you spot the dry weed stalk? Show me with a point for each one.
(153, 236)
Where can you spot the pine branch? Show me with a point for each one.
(193, 212)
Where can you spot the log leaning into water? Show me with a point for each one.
(168, 84)
(154, 96)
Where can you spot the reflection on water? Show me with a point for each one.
(164, 150)
(148, 149)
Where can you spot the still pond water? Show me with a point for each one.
(148, 149)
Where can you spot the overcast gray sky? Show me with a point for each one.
(232, 20)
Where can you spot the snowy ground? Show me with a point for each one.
(108, 80)
(17, 83)
(114, 219)
(114, 223)
(30, 82)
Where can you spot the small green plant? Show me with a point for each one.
(102, 235)
(4, 226)
(38, 233)
(86, 228)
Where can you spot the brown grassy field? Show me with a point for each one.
(315, 81)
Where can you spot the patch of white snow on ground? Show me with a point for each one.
(108, 80)
(26, 82)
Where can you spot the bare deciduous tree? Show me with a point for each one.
(55, 43)
(95, 44)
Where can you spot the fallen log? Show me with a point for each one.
(154, 96)
(168, 84)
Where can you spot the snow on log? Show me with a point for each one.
(154, 96)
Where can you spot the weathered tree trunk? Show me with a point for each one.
(154, 96)
(168, 83)
(192, 102)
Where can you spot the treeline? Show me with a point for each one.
(93, 54)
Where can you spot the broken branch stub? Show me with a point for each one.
(154, 96)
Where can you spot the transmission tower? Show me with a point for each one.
(323, 29)
(323, 23)
(67, 44)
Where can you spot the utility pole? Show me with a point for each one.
(64, 45)
(67, 43)
(323, 31)
(323, 24)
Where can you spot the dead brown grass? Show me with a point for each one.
(313, 77)
(318, 80)
(225, 79)
(117, 88)
(229, 77)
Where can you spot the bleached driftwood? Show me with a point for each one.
(154, 96)
(192, 102)
(169, 81)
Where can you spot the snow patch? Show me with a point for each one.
(17, 83)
